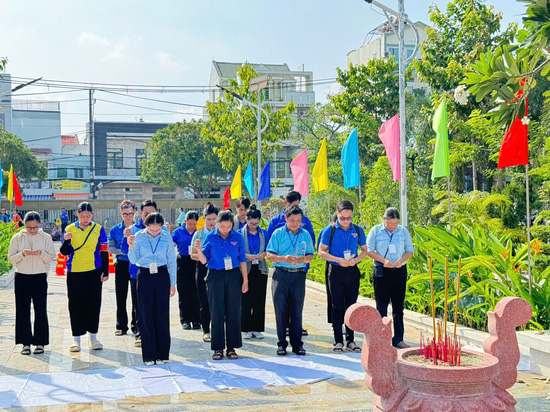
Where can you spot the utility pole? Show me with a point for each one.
(91, 140)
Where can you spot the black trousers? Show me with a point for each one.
(63, 227)
(122, 281)
(224, 295)
(253, 302)
(84, 293)
(329, 300)
(135, 308)
(31, 288)
(390, 285)
(289, 291)
(188, 299)
(344, 288)
(200, 275)
(153, 292)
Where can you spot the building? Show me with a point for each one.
(284, 86)
(382, 42)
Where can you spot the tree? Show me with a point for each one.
(15, 152)
(3, 63)
(177, 156)
(233, 126)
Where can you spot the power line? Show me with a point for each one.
(148, 108)
(153, 100)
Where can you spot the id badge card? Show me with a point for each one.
(190, 249)
(228, 263)
(153, 268)
(392, 248)
(347, 254)
(255, 262)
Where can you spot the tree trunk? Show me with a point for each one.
(474, 168)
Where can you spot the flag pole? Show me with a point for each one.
(449, 202)
(528, 230)
(360, 206)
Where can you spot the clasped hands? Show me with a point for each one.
(390, 264)
(30, 252)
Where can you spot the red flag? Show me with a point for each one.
(226, 197)
(514, 149)
(17, 191)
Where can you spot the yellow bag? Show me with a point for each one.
(58, 222)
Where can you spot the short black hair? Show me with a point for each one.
(334, 218)
(344, 205)
(245, 201)
(391, 213)
(127, 204)
(293, 196)
(294, 210)
(85, 207)
(32, 216)
(148, 202)
(253, 213)
(154, 218)
(210, 209)
(225, 216)
(191, 215)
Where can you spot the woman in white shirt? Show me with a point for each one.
(31, 251)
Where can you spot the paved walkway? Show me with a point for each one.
(329, 395)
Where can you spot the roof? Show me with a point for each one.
(229, 70)
(69, 140)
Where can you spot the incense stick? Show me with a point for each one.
(457, 294)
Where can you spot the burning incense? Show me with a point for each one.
(446, 294)
(457, 294)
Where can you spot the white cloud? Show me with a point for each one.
(109, 48)
(168, 63)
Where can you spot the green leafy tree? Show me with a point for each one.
(177, 156)
(3, 63)
(233, 126)
(15, 152)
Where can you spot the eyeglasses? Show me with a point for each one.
(253, 224)
(128, 214)
(345, 219)
(32, 227)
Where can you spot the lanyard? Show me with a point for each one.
(391, 237)
(156, 247)
(290, 237)
(250, 235)
(225, 246)
(346, 239)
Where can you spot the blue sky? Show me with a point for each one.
(173, 43)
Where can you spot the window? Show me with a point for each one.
(78, 173)
(114, 158)
(140, 155)
(62, 173)
(281, 168)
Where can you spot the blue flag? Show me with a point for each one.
(249, 179)
(265, 190)
(350, 161)
(1, 178)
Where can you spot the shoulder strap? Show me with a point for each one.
(87, 237)
(332, 230)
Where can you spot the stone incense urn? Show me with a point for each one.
(403, 386)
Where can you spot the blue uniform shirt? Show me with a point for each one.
(215, 249)
(64, 217)
(283, 243)
(158, 249)
(343, 240)
(380, 238)
(115, 238)
(136, 227)
(254, 241)
(182, 238)
(279, 221)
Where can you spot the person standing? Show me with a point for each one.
(223, 253)
(31, 251)
(290, 248)
(4, 217)
(188, 299)
(181, 218)
(64, 220)
(122, 267)
(87, 268)
(209, 217)
(253, 301)
(339, 246)
(152, 251)
(390, 246)
(242, 205)
(16, 218)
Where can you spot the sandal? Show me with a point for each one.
(75, 347)
(353, 347)
(218, 355)
(338, 348)
(26, 350)
(38, 350)
(300, 351)
(281, 351)
(206, 337)
(119, 333)
(231, 354)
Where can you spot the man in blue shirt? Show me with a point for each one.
(64, 220)
(290, 248)
(339, 246)
(122, 268)
(4, 217)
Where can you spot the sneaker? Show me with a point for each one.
(137, 343)
(248, 335)
(258, 335)
(196, 325)
(186, 325)
(160, 362)
(149, 363)
(95, 345)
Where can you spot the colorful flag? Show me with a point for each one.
(515, 147)
(319, 176)
(17, 191)
(226, 196)
(237, 186)
(389, 135)
(10, 185)
(265, 179)
(441, 154)
(350, 161)
(300, 173)
(249, 179)
(1, 178)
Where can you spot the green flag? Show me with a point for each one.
(441, 154)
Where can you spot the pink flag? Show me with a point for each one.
(300, 173)
(389, 135)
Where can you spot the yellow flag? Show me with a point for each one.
(236, 186)
(320, 170)
(10, 184)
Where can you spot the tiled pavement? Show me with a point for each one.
(329, 395)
